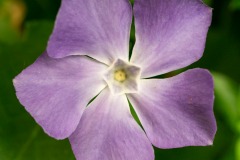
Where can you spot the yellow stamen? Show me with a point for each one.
(120, 75)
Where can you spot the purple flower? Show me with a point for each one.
(87, 55)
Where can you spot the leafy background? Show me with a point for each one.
(25, 26)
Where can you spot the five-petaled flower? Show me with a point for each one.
(87, 55)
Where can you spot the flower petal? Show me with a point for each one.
(108, 131)
(56, 91)
(99, 29)
(177, 111)
(170, 34)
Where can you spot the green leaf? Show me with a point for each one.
(238, 102)
(226, 92)
(229, 154)
(21, 138)
(7, 33)
(134, 114)
(132, 1)
(235, 4)
(208, 2)
(237, 150)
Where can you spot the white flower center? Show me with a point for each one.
(122, 77)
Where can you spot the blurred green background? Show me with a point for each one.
(25, 26)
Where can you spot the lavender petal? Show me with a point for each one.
(97, 28)
(177, 111)
(170, 34)
(56, 91)
(107, 131)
